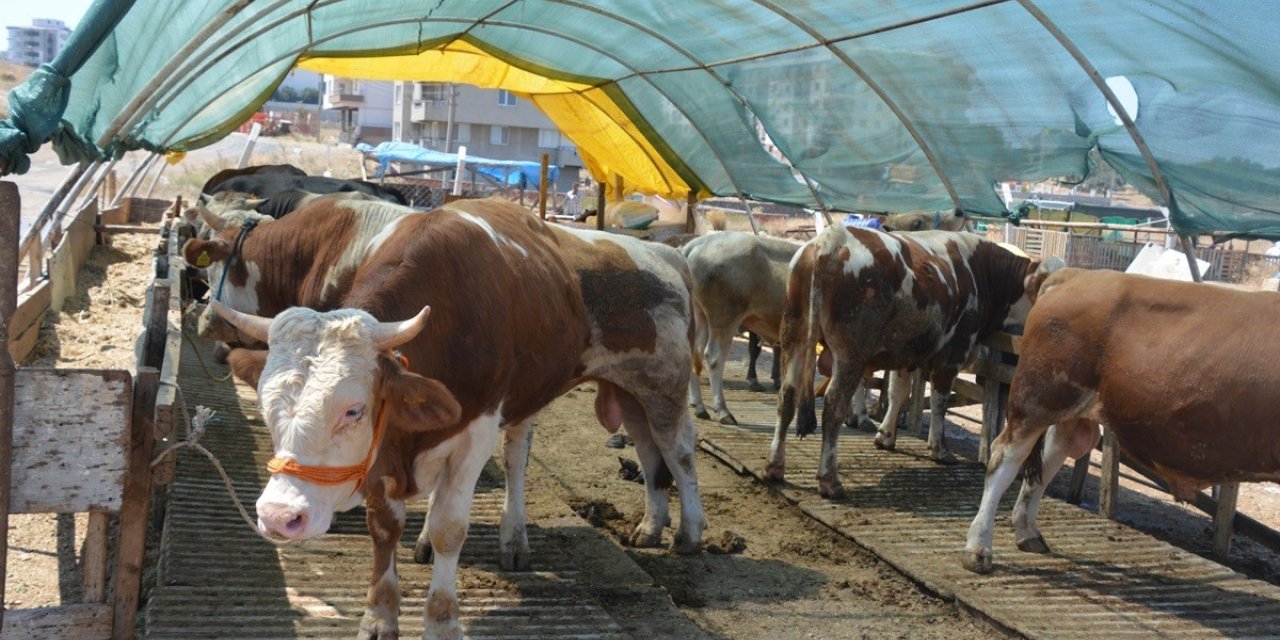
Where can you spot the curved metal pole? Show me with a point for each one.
(1156, 175)
(156, 179)
(143, 176)
(73, 176)
(128, 116)
(600, 50)
(132, 180)
(879, 91)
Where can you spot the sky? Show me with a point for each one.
(20, 13)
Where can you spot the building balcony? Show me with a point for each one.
(429, 110)
(343, 100)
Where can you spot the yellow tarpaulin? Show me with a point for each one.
(610, 141)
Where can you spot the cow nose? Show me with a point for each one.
(282, 520)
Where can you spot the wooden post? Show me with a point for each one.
(1110, 476)
(600, 202)
(689, 224)
(1224, 519)
(95, 557)
(1189, 250)
(916, 412)
(10, 216)
(992, 408)
(133, 508)
(542, 187)
(111, 188)
(1079, 474)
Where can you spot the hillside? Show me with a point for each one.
(11, 75)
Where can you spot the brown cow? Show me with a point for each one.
(1184, 373)
(889, 301)
(523, 311)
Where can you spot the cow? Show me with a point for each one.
(265, 186)
(523, 311)
(1184, 374)
(889, 301)
(263, 169)
(739, 279)
(921, 221)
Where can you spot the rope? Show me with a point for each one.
(200, 359)
(195, 429)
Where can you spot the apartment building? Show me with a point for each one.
(37, 44)
(363, 107)
(491, 123)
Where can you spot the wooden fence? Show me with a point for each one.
(82, 440)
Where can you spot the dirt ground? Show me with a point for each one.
(95, 329)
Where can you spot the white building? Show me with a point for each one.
(364, 107)
(492, 123)
(37, 44)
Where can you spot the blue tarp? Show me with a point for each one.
(513, 172)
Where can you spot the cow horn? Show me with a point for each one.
(256, 327)
(215, 221)
(389, 335)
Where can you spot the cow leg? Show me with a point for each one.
(717, 354)
(845, 379)
(775, 471)
(753, 354)
(1009, 450)
(939, 398)
(385, 519)
(776, 370)
(648, 533)
(1074, 438)
(669, 429)
(513, 538)
(450, 513)
(899, 391)
(859, 419)
(700, 336)
(427, 476)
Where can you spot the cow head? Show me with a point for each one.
(237, 290)
(1031, 282)
(325, 382)
(921, 221)
(225, 209)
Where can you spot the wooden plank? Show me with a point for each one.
(91, 621)
(22, 346)
(31, 307)
(71, 429)
(123, 228)
(992, 412)
(157, 318)
(10, 218)
(993, 369)
(95, 557)
(133, 510)
(1079, 473)
(1003, 341)
(915, 413)
(969, 392)
(114, 215)
(1224, 519)
(1110, 482)
(70, 254)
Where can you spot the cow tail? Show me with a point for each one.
(694, 319)
(1033, 466)
(806, 411)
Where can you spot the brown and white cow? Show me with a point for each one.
(1185, 374)
(889, 301)
(522, 312)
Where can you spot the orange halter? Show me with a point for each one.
(337, 475)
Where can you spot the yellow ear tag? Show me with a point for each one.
(203, 260)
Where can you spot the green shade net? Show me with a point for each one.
(856, 104)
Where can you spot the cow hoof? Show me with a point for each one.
(944, 457)
(755, 385)
(685, 546)
(727, 418)
(443, 631)
(220, 352)
(831, 490)
(373, 629)
(702, 413)
(514, 560)
(422, 552)
(644, 540)
(977, 561)
(1034, 545)
(886, 442)
(775, 474)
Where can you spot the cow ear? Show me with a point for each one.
(418, 403)
(247, 364)
(202, 253)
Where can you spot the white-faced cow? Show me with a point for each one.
(889, 301)
(522, 312)
(1185, 374)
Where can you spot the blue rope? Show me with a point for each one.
(235, 254)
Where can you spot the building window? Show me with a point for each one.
(499, 136)
(506, 99)
(395, 135)
(434, 91)
(464, 133)
(399, 93)
(548, 138)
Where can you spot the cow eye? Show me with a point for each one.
(353, 414)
